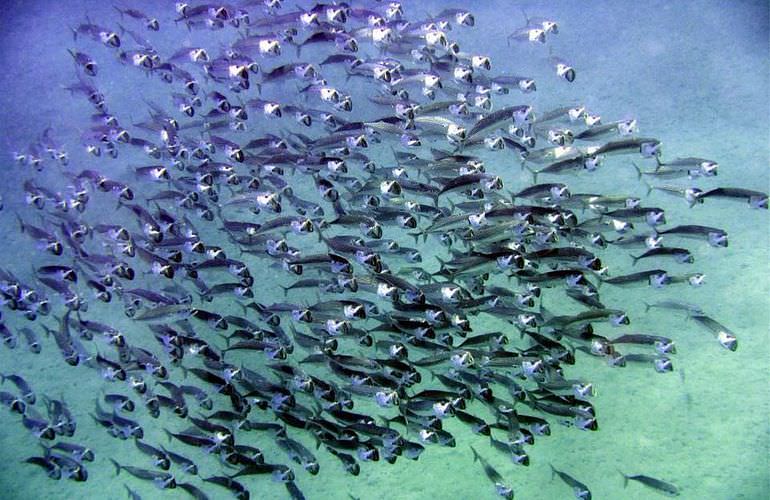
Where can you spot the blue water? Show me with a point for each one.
(694, 74)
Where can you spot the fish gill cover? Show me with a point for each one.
(381, 250)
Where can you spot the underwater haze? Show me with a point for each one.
(433, 292)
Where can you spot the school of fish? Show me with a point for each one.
(285, 259)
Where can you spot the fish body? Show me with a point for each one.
(494, 476)
(653, 483)
(580, 490)
(162, 480)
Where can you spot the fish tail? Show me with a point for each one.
(649, 188)
(545, 312)
(439, 154)
(117, 466)
(168, 434)
(625, 478)
(317, 439)
(476, 456)
(395, 156)
(21, 222)
(385, 421)
(403, 411)
(526, 17)
(638, 171)
(553, 471)
(647, 307)
(636, 258)
(534, 176)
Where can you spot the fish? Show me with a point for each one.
(680, 255)
(755, 199)
(37, 425)
(150, 23)
(654, 277)
(676, 305)
(47, 241)
(567, 165)
(53, 470)
(131, 493)
(706, 167)
(85, 61)
(692, 196)
(714, 236)
(299, 454)
(238, 489)
(663, 345)
(648, 147)
(14, 403)
(27, 394)
(193, 491)
(186, 464)
(160, 458)
(653, 483)
(162, 480)
(70, 467)
(97, 33)
(725, 337)
(60, 416)
(494, 476)
(78, 452)
(580, 490)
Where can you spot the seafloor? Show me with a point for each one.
(695, 75)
